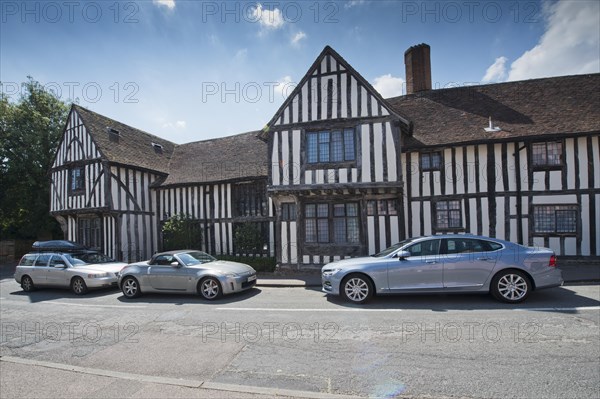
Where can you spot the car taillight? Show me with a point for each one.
(552, 261)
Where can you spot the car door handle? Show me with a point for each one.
(431, 262)
(483, 258)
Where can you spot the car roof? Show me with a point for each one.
(175, 252)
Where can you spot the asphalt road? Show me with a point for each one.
(296, 341)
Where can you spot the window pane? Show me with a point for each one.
(436, 160)
(339, 210)
(339, 230)
(554, 153)
(349, 145)
(371, 208)
(352, 209)
(454, 205)
(323, 230)
(425, 162)
(441, 220)
(324, 152)
(392, 207)
(538, 152)
(337, 153)
(543, 219)
(312, 147)
(381, 207)
(454, 219)
(441, 205)
(352, 230)
(311, 211)
(311, 230)
(566, 221)
(322, 210)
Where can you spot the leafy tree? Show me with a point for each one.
(30, 130)
(248, 239)
(181, 232)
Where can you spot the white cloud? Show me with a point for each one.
(176, 125)
(268, 18)
(569, 46)
(285, 86)
(353, 3)
(170, 4)
(297, 37)
(241, 55)
(388, 85)
(496, 72)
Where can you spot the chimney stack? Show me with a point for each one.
(418, 68)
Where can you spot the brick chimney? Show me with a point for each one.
(418, 68)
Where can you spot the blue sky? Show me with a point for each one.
(189, 70)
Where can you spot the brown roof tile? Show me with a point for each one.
(133, 147)
(558, 105)
(236, 157)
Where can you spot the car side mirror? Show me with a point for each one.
(60, 266)
(402, 255)
(175, 265)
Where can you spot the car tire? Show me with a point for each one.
(357, 288)
(511, 286)
(210, 288)
(130, 287)
(27, 284)
(78, 286)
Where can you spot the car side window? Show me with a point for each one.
(27, 260)
(164, 260)
(457, 246)
(56, 260)
(489, 246)
(42, 261)
(424, 248)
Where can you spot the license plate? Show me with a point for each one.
(251, 278)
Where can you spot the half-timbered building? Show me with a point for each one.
(113, 186)
(340, 171)
(100, 184)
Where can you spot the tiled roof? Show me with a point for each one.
(228, 158)
(133, 147)
(558, 105)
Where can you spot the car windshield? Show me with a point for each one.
(195, 258)
(393, 248)
(88, 258)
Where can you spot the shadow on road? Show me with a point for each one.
(50, 294)
(181, 299)
(561, 300)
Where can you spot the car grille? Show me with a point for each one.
(249, 284)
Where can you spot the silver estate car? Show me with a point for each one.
(79, 271)
(444, 264)
(186, 271)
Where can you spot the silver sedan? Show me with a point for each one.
(443, 264)
(186, 271)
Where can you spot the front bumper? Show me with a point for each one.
(238, 283)
(102, 282)
(330, 284)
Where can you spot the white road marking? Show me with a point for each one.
(312, 310)
(85, 305)
(560, 309)
(550, 309)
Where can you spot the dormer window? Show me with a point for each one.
(158, 148)
(113, 134)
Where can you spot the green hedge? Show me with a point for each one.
(260, 264)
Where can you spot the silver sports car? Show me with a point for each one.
(186, 271)
(445, 263)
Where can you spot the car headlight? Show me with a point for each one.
(230, 275)
(330, 272)
(97, 275)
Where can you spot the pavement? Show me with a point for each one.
(573, 272)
